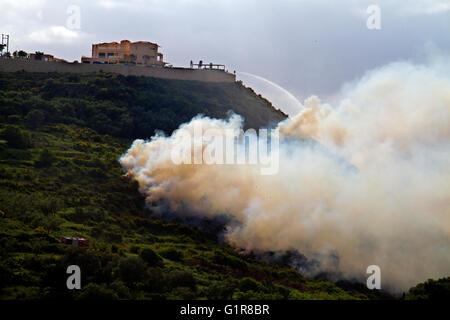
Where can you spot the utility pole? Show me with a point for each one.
(5, 38)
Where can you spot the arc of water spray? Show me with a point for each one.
(280, 88)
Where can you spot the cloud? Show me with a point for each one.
(54, 34)
(135, 5)
(14, 4)
(430, 7)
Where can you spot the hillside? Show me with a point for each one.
(128, 107)
(60, 138)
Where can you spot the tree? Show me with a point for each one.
(182, 279)
(51, 223)
(46, 159)
(38, 55)
(221, 291)
(131, 270)
(247, 284)
(16, 137)
(2, 47)
(95, 291)
(431, 290)
(34, 118)
(122, 291)
(49, 206)
(22, 54)
(150, 257)
(172, 254)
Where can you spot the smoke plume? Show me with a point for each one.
(367, 181)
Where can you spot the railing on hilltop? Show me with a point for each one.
(209, 66)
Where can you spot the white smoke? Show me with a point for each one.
(368, 179)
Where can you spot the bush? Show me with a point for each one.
(134, 249)
(221, 291)
(51, 223)
(97, 173)
(93, 264)
(35, 118)
(431, 290)
(228, 260)
(15, 137)
(14, 118)
(256, 295)
(247, 284)
(172, 254)
(156, 280)
(131, 270)
(184, 293)
(182, 279)
(113, 235)
(122, 291)
(7, 277)
(13, 154)
(46, 159)
(94, 291)
(150, 257)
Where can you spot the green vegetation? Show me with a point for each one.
(125, 107)
(431, 290)
(15, 137)
(60, 138)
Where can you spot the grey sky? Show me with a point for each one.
(307, 47)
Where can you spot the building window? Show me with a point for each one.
(101, 55)
(111, 54)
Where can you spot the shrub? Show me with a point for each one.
(113, 235)
(7, 277)
(134, 249)
(221, 291)
(172, 254)
(89, 261)
(431, 290)
(156, 280)
(122, 291)
(97, 173)
(256, 295)
(14, 118)
(247, 284)
(95, 291)
(34, 118)
(228, 260)
(183, 293)
(150, 257)
(46, 159)
(182, 279)
(51, 223)
(131, 270)
(15, 137)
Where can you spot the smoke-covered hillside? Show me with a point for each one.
(373, 188)
(61, 137)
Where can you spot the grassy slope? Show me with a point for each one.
(81, 192)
